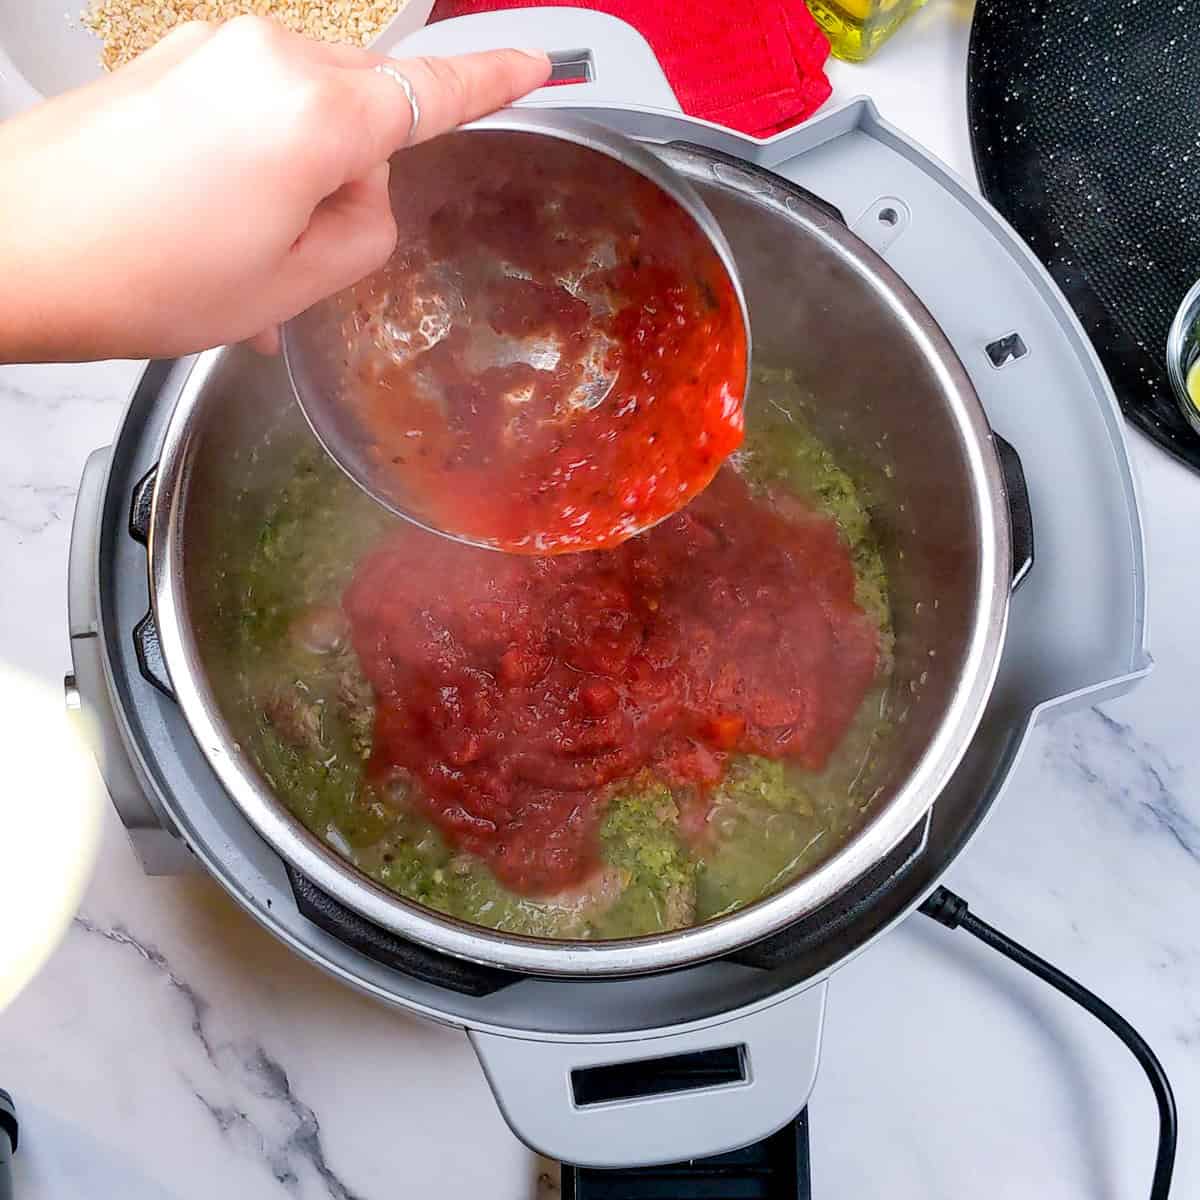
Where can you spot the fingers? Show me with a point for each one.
(182, 41)
(267, 342)
(347, 115)
(368, 113)
(452, 91)
(336, 54)
(350, 234)
(449, 92)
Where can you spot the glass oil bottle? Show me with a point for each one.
(857, 28)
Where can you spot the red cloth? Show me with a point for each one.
(756, 66)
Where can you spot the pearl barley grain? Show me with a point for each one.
(127, 27)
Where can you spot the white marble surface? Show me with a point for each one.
(171, 1049)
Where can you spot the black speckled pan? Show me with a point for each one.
(1085, 123)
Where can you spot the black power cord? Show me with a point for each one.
(952, 911)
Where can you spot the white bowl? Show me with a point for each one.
(44, 48)
(52, 824)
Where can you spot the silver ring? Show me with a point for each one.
(386, 68)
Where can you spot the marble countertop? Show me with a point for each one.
(172, 1049)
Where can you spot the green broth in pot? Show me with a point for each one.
(765, 823)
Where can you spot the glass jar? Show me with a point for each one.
(857, 28)
(1183, 357)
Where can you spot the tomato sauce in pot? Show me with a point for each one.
(555, 357)
(515, 691)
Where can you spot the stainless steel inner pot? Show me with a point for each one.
(886, 393)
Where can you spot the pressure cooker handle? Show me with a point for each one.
(1020, 511)
(146, 642)
(430, 966)
(152, 833)
(597, 59)
(692, 1094)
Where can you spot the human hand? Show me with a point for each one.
(216, 186)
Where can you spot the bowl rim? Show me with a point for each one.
(1187, 318)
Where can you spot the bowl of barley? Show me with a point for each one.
(50, 46)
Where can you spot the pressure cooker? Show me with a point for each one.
(943, 365)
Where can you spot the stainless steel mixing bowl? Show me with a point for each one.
(315, 342)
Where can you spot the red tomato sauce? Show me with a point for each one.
(516, 691)
(555, 355)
